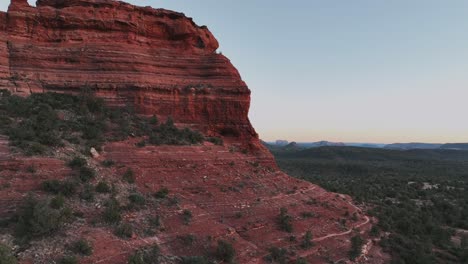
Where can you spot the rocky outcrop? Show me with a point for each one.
(157, 60)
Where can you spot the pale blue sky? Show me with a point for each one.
(362, 70)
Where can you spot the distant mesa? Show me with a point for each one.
(407, 146)
(281, 142)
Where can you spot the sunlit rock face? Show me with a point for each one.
(160, 61)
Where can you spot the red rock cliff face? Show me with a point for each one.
(158, 60)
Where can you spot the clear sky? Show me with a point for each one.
(353, 71)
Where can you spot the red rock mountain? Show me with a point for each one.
(158, 60)
(162, 63)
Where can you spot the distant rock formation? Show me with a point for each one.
(407, 146)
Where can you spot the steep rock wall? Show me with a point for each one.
(157, 60)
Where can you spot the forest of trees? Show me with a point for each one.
(419, 196)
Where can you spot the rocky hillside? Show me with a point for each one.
(120, 182)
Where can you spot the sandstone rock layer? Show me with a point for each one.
(157, 60)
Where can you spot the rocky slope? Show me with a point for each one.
(162, 63)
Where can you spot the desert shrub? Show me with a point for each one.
(76, 163)
(301, 261)
(162, 193)
(148, 255)
(356, 247)
(195, 260)
(86, 174)
(65, 188)
(112, 212)
(187, 216)
(68, 260)
(37, 218)
(225, 251)
(33, 124)
(103, 187)
(155, 221)
(129, 176)
(82, 247)
(307, 242)
(57, 202)
(87, 193)
(153, 120)
(374, 231)
(284, 220)
(307, 214)
(277, 255)
(137, 199)
(169, 134)
(108, 163)
(188, 239)
(6, 256)
(124, 231)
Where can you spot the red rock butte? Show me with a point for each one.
(162, 63)
(158, 60)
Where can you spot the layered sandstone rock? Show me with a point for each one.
(158, 60)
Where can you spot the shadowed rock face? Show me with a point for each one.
(157, 60)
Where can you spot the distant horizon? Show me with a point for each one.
(360, 71)
(361, 142)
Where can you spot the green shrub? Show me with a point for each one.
(307, 242)
(301, 261)
(57, 202)
(187, 216)
(307, 214)
(65, 188)
(284, 220)
(188, 239)
(6, 256)
(195, 260)
(82, 247)
(87, 193)
(77, 162)
(86, 174)
(112, 212)
(137, 199)
(155, 221)
(277, 255)
(124, 231)
(68, 260)
(129, 176)
(108, 163)
(37, 218)
(148, 255)
(154, 120)
(356, 247)
(162, 193)
(103, 187)
(225, 251)
(169, 134)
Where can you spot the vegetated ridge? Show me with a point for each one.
(419, 196)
